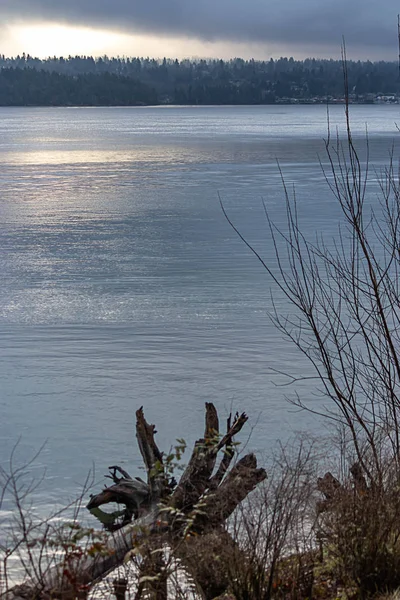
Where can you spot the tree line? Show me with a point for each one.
(85, 80)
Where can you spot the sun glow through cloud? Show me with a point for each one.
(52, 39)
(63, 40)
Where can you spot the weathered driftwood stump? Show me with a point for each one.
(334, 491)
(206, 495)
(221, 491)
(179, 515)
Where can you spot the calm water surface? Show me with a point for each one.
(123, 285)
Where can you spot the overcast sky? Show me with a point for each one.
(260, 28)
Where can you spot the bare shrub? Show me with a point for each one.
(359, 529)
(32, 545)
(345, 319)
(345, 300)
(274, 530)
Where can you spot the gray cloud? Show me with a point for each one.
(309, 22)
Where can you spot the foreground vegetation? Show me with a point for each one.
(86, 81)
(225, 532)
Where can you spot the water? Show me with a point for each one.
(123, 284)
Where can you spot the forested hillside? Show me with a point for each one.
(29, 87)
(83, 80)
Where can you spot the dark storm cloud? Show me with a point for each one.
(316, 22)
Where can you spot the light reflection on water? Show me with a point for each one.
(123, 285)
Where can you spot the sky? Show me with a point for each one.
(200, 28)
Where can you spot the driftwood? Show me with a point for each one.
(334, 492)
(161, 509)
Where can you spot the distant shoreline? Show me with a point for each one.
(338, 102)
